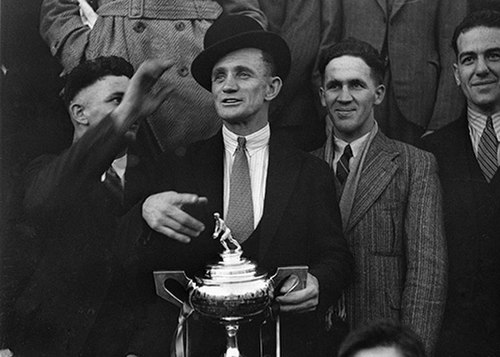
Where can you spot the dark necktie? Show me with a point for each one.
(240, 208)
(487, 151)
(113, 183)
(343, 165)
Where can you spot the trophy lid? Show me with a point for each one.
(232, 268)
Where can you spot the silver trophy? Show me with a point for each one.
(232, 291)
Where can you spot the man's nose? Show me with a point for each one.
(482, 66)
(230, 84)
(345, 95)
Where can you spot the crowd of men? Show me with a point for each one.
(388, 230)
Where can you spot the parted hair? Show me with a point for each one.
(486, 18)
(90, 71)
(383, 333)
(356, 48)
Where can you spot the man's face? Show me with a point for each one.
(477, 70)
(242, 87)
(349, 93)
(100, 98)
(379, 352)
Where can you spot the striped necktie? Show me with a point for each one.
(487, 151)
(114, 184)
(240, 208)
(343, 165)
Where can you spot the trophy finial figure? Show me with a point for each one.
(226, 237)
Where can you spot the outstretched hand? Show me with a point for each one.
(298, 301)
(163, 213)
(140, 99)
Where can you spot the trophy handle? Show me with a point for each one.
(162, 276)
(284, 272)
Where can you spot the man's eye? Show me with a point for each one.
(244, 75)
(467, 60)
(218, 77)
(495, 56)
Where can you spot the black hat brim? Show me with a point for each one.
(202, 66)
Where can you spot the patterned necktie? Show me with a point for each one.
(343, 165)
(240, 209)
(114, 184)
(487, 151)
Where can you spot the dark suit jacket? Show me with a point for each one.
(395, 232)
(418, 37)
(472, 220)
(75, 217)
(300, 226)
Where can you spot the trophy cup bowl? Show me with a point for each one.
(231, 291)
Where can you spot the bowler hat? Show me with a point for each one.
(233, 32)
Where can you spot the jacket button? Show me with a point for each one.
(183, 71)
(180, 26)
(139, 26)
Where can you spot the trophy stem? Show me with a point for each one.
(232, 341)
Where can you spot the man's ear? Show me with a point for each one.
(456, 74)
(379, 94)
(78, 114)
(322, 96)
(273, 88)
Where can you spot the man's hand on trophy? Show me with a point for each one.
(297, 301)
(164, 213)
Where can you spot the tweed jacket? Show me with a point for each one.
(307, 27)
(395, 233)
(141, 29)
(76, 218)
(418, 35)
(300, 226)
(471, 210)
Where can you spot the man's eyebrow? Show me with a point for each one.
(114, 94)
(493, 49)
(466, 53)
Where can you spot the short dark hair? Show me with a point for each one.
(90, 71)
(383, 333)
(356, 48)
(480, 18)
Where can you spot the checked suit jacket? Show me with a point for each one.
(395, 233)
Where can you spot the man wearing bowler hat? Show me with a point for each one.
(276, 200)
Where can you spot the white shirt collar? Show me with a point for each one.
(254, 142)
(356, 145)
(477, 121)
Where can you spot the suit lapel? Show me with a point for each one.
(378, 170)
(396, 6)
(208, 163)
(282, 174)
(383, 5)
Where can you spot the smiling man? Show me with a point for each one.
(389, 199)
(275, 199)
(468, 155)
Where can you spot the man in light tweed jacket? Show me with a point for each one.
(389, 197)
